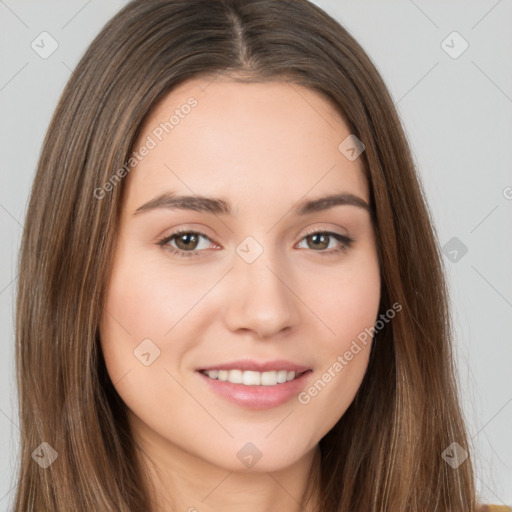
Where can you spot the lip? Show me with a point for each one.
(257, 366)
(257, 397)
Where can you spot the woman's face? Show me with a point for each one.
(247, 287)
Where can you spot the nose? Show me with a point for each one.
(261, 298)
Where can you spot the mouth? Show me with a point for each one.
(255, 386)
(253, 378)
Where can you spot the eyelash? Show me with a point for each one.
(346, 242)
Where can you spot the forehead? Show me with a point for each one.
(234, 139)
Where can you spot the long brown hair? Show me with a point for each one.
(385, 453)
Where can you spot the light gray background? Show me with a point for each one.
(457, 114)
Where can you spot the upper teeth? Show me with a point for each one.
(250, 378)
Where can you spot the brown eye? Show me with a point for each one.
(319, 240)
(187, 241)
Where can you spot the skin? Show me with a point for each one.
(263, 147)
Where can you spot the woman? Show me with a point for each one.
(251, 372)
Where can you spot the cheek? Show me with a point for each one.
(140, 306)
(145, 307)
(348, 305)
(153, 314)
(147, 298)
(346, 300)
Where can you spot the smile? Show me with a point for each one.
(255, 390)
(253, 378)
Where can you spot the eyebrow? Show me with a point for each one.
(218, 206)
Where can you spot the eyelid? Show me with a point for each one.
(312, 231)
